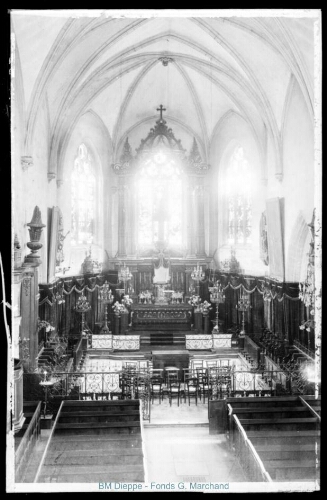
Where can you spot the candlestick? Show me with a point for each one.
(217, 296)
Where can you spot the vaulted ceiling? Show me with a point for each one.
(199, 68)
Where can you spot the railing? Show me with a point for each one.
(304, 349)
(229, 382)
(27, 443)
(252, 349)
(311, 409)
(123, 384)
(145, 457)
(246, 455)
(78, 353)
(47, 446)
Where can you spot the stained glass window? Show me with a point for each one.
(239, 195)
(160, 201)
(83, 199)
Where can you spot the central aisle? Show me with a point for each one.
(178, 447)
(189, 454)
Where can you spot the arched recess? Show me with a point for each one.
(298, 249)
(299, 178)
(231, 132)
(19, 162)
(91, 132)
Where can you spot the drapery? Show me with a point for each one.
(274, 305)
(58, 301)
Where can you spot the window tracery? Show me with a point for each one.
(239, 196)
(83, 185)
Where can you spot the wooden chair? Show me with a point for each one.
(205, 387)
(141, 386)
(174, 389)
(191, 389)
(86, 396)
(156, 385)
(101, 396)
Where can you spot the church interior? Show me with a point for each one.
(166, 221)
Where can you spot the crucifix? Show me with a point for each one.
(161, 109)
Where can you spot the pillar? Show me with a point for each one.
(200, 226)
(18, 417)
(191, 214)
(121, 218)
(30, 311)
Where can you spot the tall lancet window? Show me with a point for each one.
(160, 201)
(239, 198)
(83, 199)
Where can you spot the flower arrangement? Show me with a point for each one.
(177, 295)
(59, 298)
(309, 324)
(307, 293)
(82, 304)
(205, 307)
(127, 301)
(195, 301)
(119, 308)
(145, 296)
(46, 325)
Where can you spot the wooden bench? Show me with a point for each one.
(260, 402)
(284, 451)
(291, 470)
(279, 423)
(273, 413)
(99, 416)
(100, 405)
(289, 437)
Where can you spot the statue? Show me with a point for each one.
(161, 278)
(161, 273)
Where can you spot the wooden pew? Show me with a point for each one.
(285, 433)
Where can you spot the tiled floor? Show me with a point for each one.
(179, 447)
(183, 414)
(188, 454)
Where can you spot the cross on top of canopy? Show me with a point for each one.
(161, 152)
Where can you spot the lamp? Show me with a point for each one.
(105, 297)
(217, 296)
(243, 305)
(82, 307)
(197, 275)
(46, 383)
(124, 275)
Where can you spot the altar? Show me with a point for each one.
(161, 317)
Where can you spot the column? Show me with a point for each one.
(121, 218)
(18, 417)
(191, 214)
(30, 306)
(200, 228)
